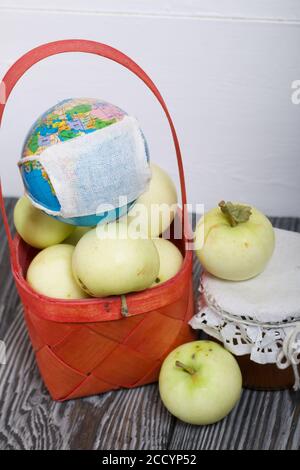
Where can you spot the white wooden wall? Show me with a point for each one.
(225, 68)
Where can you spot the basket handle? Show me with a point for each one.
(16, 71)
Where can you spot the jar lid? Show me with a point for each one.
(260, 316)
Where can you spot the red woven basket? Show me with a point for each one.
(86, 347)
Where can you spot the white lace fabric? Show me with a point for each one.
(267, 338)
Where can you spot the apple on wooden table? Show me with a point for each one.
(200, 382)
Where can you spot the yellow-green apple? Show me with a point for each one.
(156, 208)
(50, 273)
(170, 260)
(75, 236)
(200, 382)
(109, 261)
(234, 241)
(37, 228)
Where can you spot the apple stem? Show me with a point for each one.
(235, 213)
(188, 369)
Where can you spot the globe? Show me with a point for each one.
(66, 120)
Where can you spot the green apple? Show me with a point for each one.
(200, 382)
(50, 273)
(109, 261)
(155, 209)
(170, 260)
(37, 228)
(234, 241)
(75, 236)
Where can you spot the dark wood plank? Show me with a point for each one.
(262, 420)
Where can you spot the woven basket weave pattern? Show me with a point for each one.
(80, 359)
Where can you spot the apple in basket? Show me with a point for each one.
(200, 382)
(75, 236)
(37, 228)
(50, 273)
(113, 260)
(234, 241)
(170, 260)
(156, 208)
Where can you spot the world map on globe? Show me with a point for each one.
(69, 119)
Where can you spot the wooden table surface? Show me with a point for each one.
(125, 419)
